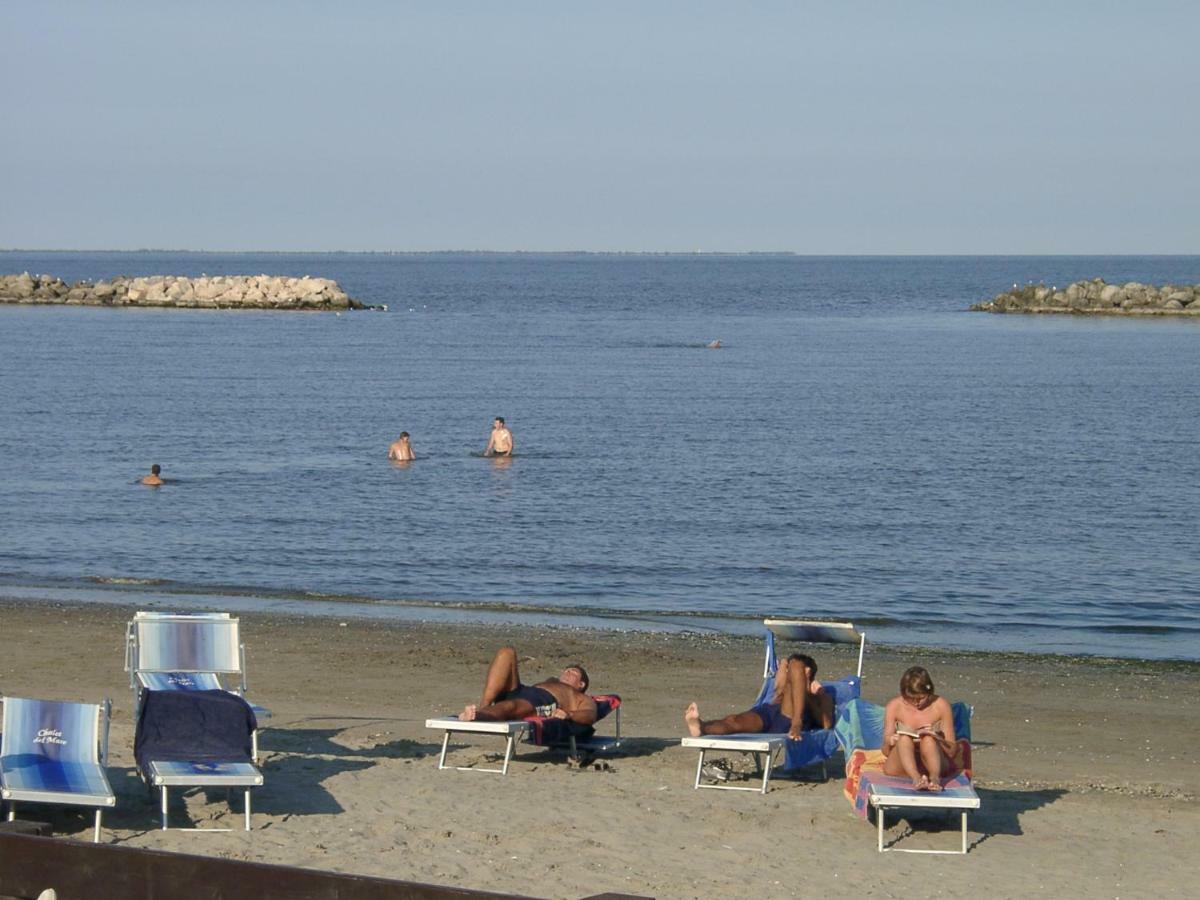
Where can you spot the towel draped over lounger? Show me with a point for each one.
(193, 726)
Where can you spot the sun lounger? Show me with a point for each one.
(542, 731)
(187, 652)
(198, 739)
(54, 752)
(859, 730)
(766, 749)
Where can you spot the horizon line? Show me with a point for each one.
(684, 253)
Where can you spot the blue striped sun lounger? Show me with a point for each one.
(187, 652)
(54, 752)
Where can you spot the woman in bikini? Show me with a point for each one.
(918, 710)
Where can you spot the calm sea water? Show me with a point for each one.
(860, 448)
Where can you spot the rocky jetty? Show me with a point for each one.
(216, 292)
(1096, 297)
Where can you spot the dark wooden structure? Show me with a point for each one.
(80, 871)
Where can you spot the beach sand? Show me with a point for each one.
(1087, 769)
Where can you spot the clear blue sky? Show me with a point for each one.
(854, 127)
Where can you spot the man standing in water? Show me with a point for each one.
(152, 480)
(400, 450)
(500, 443)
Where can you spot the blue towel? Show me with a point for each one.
(193, 726)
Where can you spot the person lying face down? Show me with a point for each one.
(798, 704)
(918, 732)
(506, 699)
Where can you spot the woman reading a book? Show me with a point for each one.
(918, 732)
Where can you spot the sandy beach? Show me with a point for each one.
(1086, 768)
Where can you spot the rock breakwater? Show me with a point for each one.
(1096, 297)
(206, 292)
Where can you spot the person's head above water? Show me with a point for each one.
(498, 422)
(404, 435)
(576, 676)
(155, 469)
(916, 685)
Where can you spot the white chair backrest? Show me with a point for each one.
(64, 732)
(185, 643)
(816, 633)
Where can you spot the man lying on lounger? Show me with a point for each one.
(796, 688)
(506, 699)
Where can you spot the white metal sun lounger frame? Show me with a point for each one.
(512, 732)
(765, 748)
(882, 798)
(95, 756)
(163, 775)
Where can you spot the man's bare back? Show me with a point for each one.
(401, 450)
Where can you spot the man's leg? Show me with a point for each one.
(504, 711)
(748, 722)
(502, 677)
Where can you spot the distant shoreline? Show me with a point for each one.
(684, 254)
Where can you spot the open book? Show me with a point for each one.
(903, 729)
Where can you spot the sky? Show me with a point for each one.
(817, 128)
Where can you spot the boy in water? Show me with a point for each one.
(922, 712)
(152, 480)
(400, 450)
(799, 704)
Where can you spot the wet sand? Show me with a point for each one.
(1086, 768)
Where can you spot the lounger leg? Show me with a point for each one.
(12, 811)
(767, 769)
(96, 835)
(508, 752)
(247, 809)
(964, 833)
(879, 823)
(699, 769)
(164, 807)
(445, 744)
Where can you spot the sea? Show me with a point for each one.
(859, 448)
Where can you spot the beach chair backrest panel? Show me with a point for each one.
(813, 632)
(187, 644)
(62, 732)
(859, 724)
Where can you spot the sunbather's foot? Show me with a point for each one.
(468, 714)
(922, 783)
(934, 785)
(691, 715)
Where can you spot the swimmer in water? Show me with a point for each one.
(400, 450)
(713, 345)
(500, 442)
(152, 480)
